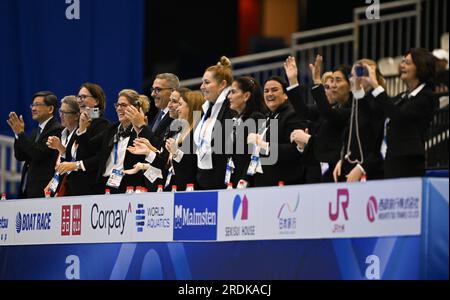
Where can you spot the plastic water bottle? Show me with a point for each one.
(160, 188)
(190, 187)
(138, 190)
(107, 191)
(3, 196)
(130, 190)
(242, 184)
(48, 194)
(174, 188)
(229, 186)
(281, 183)
(363, 178)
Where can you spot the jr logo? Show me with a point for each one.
(341, 193)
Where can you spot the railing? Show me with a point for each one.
(437, 142)
(9, 167)
(402, 25)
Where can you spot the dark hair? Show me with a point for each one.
(256, 101)
(280, 80)
(425, 64)
(345, 70)
(97, 93)
(50, 99)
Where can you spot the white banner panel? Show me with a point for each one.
(379, 208)
(371, 209)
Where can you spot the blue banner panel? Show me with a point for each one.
(436, 225)
(358, 259)
(57, 45)
(195, 216)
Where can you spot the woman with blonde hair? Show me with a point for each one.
(209, 136)
(113, 157)
(178, 161)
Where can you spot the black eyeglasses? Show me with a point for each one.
(65, 113)
(37, 104)
(158, 90)
(123, 105)
(84, 97)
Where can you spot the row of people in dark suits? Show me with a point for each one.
(344, 134)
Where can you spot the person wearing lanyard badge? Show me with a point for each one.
(210, 135)
(247, 100)
(69, 114)
(282, 120)
(113, 157)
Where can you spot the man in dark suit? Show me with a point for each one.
(163, 86)
(39, 159)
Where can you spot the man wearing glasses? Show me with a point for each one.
(163, 86)
(32, 149)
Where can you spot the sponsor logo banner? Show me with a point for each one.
(377, 208)
(153, 220)
(195, 216)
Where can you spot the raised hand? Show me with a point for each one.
(137, 117)
(290, 67)
(17, 124)
(315, 69)
(84, 122)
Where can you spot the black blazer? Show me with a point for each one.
(370, 125)
(327, 129)
(214, 178)
(39, 160)
(407, 128)
(157, 137)
(240, 151)
(85, 182)
(186, 169)
(129, 161)
(288, 166)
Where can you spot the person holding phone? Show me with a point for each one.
(83, 165)
(360, 155)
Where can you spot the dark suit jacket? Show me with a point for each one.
(288, 167)
(406, 131)
(157, 137)
(240, 151)
(129, 161)
(39, 160)
(370, 125)
(85, 182)
(327, 131)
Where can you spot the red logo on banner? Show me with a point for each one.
(372, 209)
(71, 220)
(65, 220)
(341, 193)
(76, 220)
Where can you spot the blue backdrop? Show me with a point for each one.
(40, 49)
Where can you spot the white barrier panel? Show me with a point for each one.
(371, 209)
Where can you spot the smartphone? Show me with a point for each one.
(361, 71)
(94, 113)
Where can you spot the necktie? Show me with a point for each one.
(38, 134)
(157, 121)
(208, 112)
